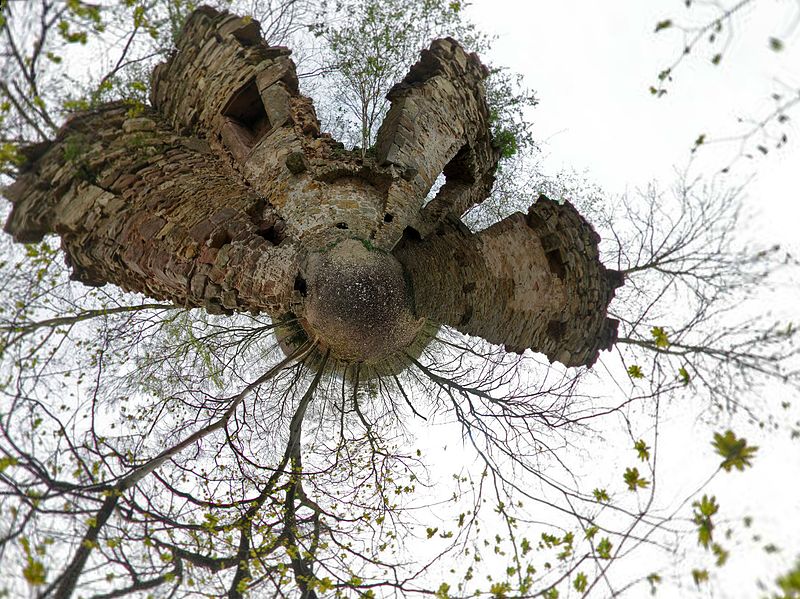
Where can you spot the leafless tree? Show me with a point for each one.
(148, 447)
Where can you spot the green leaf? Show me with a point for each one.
(635, 372)
(581, 582)
(633, 480)
(660, 336)
(716, 59)
(642, 450)
(789, 583)
(706, 506)
(721, 554)
(601, 495)
(699, 576)
(7, 461)
(9, 154)
(506, 142)
(775, 44)
(665, 24)
(34, 572)
(499, 590)
(701, 139)
(683, 374)
(736, 453)
(653, 579)
(703, 511)
(604, 548)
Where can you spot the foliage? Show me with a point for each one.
(633, 480)
(736, 453)
(369, 46)
(789, 583)
(704, 509)
(706, 32)
(150, 449)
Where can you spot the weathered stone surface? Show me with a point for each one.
(138, 124)
(438, 123)
(530, 281)
(225, 195)
(296, 163)
(141, 233)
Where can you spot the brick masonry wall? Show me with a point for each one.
(221, 194)
(530, 281)
(139, 206)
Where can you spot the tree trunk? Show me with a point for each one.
(226, 195)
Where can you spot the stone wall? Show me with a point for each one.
(226, 86)
(139, 206)
(438, 123)
(528, 282)
(225, 194)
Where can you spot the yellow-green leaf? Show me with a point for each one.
(604, 548)
(699, 576)
(642, 450)
(735, 451)
(658, 333)
(633, 480)
(34, 572)
(775, 44)
(635, 372)
(580, 583)
(665, 24)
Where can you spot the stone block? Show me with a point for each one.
(276, 100)
(138, 124)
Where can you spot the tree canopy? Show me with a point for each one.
(151, 449)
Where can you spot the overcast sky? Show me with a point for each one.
(591, 64)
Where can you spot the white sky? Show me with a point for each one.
(591, 64)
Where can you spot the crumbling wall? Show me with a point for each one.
(154, 212)
(225, 194)
(438, 123)
(528, 282)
